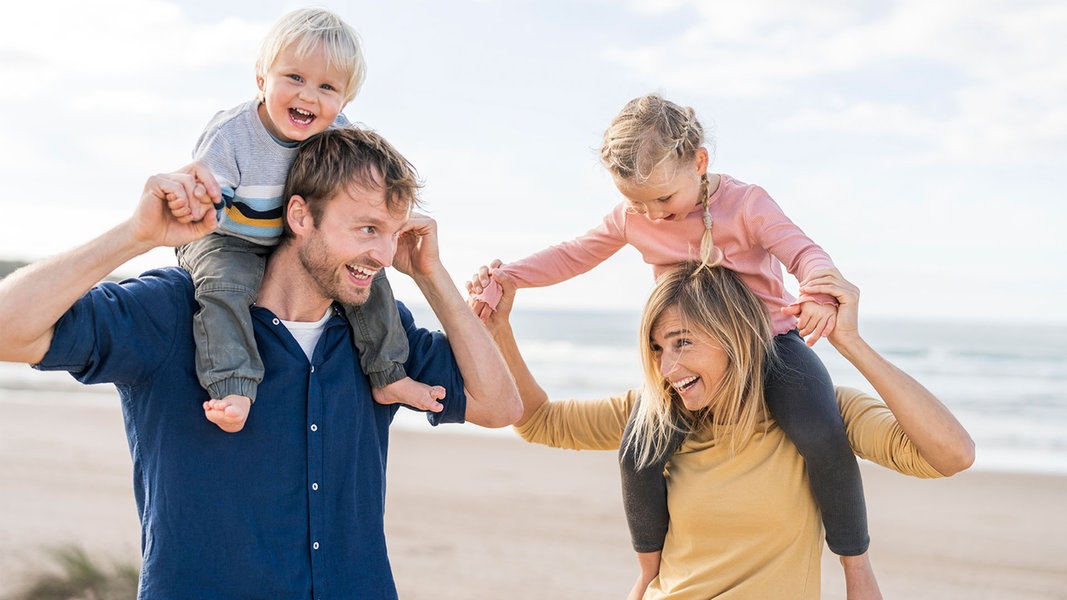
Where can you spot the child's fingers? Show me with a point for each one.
(830, 324)
(815, 336)
(483, 311)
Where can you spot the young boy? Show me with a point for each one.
(309, 67)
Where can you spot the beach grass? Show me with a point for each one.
(73, 574)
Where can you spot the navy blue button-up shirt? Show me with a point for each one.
(290, 507)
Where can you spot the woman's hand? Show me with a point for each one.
(846, 328)
(479, 282)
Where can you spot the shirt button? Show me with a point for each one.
(275, 321)
(315, 486)
(315, 545)
(312, 368)
(314, 427)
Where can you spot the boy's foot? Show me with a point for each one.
(229, 413)
(413, 393)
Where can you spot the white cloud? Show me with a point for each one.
(1003, 82)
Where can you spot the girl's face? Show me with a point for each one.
(671, 192)
(302, 95)
(690, 361)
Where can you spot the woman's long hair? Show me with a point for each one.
(714, 301)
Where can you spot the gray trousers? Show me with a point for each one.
(227, 272)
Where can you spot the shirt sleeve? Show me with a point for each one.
(580, 424)
(775, 232)
(215, 149)
(431, 361)
(121, 332)
(875, 435)
(566, 260)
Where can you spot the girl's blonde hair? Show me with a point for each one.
(307, 29)
(716, 303)
(650, 132)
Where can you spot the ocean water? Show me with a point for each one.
(1007, 384)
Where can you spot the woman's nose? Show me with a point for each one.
(667, 364)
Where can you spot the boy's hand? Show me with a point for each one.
(154, 223)
(193, 207)
(814, 320)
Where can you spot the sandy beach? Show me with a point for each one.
(472, 517)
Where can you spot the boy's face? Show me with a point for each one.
(302, 96)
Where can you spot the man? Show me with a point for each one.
(292, 506)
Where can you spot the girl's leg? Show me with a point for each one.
(644, 493)
(801, 398)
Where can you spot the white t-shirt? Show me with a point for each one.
(307, 333)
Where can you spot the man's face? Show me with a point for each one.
(354, 238)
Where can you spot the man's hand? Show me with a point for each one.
(155, 221)
(190, 209)
(417, 252)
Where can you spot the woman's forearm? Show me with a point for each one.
(939, 437)
(532, 394)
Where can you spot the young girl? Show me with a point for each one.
(675, 211)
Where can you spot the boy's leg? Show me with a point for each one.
(644, 491)
(801, 398)
(378, 334)
(227, 272)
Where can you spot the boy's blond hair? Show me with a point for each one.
(309, 28)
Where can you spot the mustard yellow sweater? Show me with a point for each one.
(743, 526)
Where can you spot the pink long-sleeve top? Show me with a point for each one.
(754, 235)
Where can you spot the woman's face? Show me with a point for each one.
(691, 362)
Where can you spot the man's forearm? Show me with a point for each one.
(33, 298)
(493, 400)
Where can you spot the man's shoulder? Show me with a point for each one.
(163, 281)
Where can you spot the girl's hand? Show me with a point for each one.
(476, 285)
(816, 321)
(848, 297)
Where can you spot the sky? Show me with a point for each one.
(922, 144)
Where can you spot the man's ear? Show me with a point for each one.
(298, 215)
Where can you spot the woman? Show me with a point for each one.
(743, 522)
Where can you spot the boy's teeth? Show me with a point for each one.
(301, 115)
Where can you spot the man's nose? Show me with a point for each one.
(384, 250)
